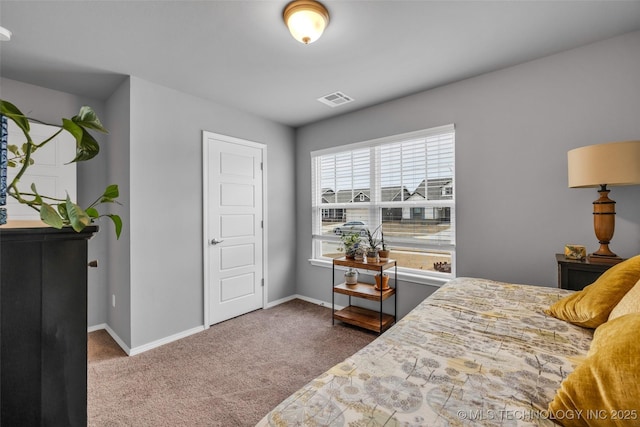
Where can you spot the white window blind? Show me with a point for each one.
(402, 185)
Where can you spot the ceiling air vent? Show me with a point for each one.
(335, 99)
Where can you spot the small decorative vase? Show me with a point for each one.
(351, 277)
(384, 255)
(372, 256)
(382, 282)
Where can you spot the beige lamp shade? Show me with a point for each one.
(612, 163)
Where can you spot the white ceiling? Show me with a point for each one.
(240, 54)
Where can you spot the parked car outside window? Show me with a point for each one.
(351, 227)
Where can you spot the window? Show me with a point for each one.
(403, 185)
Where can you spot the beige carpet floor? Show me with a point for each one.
(230, 375)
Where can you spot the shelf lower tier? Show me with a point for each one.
(364, 318)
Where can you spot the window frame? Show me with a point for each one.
(375, 207)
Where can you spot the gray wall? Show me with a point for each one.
(165, 156)
(119, 251)
(513, 130)
(51, 106)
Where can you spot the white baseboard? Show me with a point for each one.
(148, 346)
(97, 327)
(303, 298)
(281, 301)
(165, 340)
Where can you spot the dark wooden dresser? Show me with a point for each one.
(43, 326)
(576, 274)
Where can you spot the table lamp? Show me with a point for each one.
(600, 165)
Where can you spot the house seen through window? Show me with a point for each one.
(402, 185)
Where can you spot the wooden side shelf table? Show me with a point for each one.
(576, 274)
(373, 320)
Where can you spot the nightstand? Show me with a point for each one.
(576, 274)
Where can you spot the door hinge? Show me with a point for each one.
(261, 166)
(262, 282)
(261, 224)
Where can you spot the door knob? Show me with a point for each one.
(216, 241)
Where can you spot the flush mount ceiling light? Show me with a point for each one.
(306, 20)
(5, 35)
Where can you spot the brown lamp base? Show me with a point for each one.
(604, 251)
(604, 217)
(600, 259)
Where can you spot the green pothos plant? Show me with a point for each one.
(54, 211)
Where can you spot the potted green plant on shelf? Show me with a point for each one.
(349, 244)
(53, 211)
(373, 245)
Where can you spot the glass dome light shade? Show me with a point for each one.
(306, 20)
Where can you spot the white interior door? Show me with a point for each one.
(50, 172)
(233, 185)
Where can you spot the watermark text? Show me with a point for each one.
(534, 414)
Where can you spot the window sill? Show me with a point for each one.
(423, 279)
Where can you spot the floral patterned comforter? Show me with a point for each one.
(475, 352)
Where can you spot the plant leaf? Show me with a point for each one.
(111, 192)
(117, 221)
(14, 149)
(92, 212)
(87, 118)
(49, 216)
(12, 112)
(86, 146)
(72, 128)
(77, 217)
(87, 149)
(62, 210)
(37, 199)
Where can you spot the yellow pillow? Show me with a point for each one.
(630, 303)
(591, 306)
(605, 389)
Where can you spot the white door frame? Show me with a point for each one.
(205, 214)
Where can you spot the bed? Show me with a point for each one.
(476, 352)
